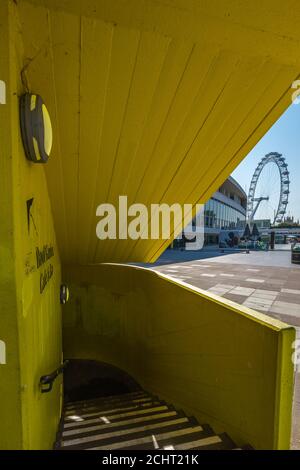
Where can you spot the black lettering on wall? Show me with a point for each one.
(43, 255)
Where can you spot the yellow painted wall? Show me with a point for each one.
(30, 320)
(10, 402)
(225, 364)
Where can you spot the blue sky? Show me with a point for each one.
(283, 137)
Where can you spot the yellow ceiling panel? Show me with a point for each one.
(96, 45)
(156, 100)
(66, 66)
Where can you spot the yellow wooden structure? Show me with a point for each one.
(223, 363)
(157, 100)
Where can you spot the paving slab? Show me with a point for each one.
(286, 308)
(246, 291)
(290, 298)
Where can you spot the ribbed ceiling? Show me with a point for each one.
(155, 100)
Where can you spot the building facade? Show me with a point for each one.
(225, 211)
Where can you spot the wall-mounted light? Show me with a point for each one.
(64, 294)
(36, 128)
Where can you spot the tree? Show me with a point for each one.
(287, 225)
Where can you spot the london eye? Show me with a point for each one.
(269, 189)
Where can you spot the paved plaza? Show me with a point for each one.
(269, 289)
(264, 281)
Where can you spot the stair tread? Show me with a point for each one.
(121, 428)
(160, 436)
(203, 442)
(109, 408)
(123, 396)
(223, 442)
(135, 412)
(135, 421)
(79, 419)
(140, 431)
(100, 423)
(141, 419)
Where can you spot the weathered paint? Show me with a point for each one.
(30, 320)
(226, 364)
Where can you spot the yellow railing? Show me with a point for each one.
(226, 364)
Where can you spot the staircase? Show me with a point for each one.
(136, 420)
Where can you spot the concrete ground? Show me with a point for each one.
(264, 281)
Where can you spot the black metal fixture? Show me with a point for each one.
(46, 381)
(36, 128)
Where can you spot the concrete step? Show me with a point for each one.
(109, 399)
(129, 432)
(156, 440)
(121, 414)
(134, 421)
(106, 407)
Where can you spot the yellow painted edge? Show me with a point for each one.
(48, 136)
(284, 390)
